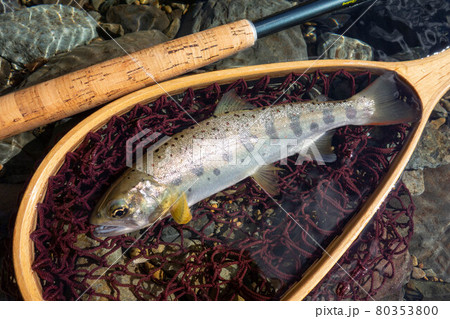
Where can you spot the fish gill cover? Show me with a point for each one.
(239, 244)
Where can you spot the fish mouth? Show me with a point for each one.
(108, 231)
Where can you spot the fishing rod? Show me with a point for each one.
(98, 84)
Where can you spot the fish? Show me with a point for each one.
(238, 141)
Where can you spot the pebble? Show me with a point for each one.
(438, 123)
(169, 234)
(168, 9)
(43, 31)
(414, 181)
(172, 30)
(138, 18)
(418, 273)
(335, 46)
(430, 273)
(414, 261)
(440, 110)
(111, 30)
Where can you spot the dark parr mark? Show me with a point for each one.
(314, 127)
(244, 138)
(295, 125)
(199, 170)
(271, 130)
(350, 112)
(177, 181)
(328, 117)
(226, 157)
(216, 171)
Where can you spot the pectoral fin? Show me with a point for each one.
(180, 210)
(267, 178)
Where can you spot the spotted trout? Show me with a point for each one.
(238, 141)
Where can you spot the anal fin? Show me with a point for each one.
(267, 178)
(323, 145)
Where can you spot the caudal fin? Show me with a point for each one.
(390, 107)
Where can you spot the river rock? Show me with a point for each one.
(5, 70)
(335, 46)
(431, 239)
(414, 181)
(111, 30)
(422, 290)
(11, 146)
(433, 149)
(43, 31)
(138, 18)
(287, 45)
(93, 53)
(9, 5)
(417, 273)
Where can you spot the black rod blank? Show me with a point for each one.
(300, 14)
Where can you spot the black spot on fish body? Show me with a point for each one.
(199, 170)
(328, 116)
(189, 190)
(350, 112)
(314, 127)
(216, 171)
(295, 125)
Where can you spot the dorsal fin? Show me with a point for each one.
(267, 178)
(231, 102)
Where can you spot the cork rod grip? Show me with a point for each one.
(98, 84)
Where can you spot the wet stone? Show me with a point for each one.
(43, 31)
(431, 239)
(433, 148)
(418, 273)
(414, 181)
(172, 30)
(9, 6)
(335, 46)
(111, 30)
(138, 18)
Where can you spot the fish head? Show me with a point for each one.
(131, 203)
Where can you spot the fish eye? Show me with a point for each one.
(119, 212)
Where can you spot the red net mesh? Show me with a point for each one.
(240, 244)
